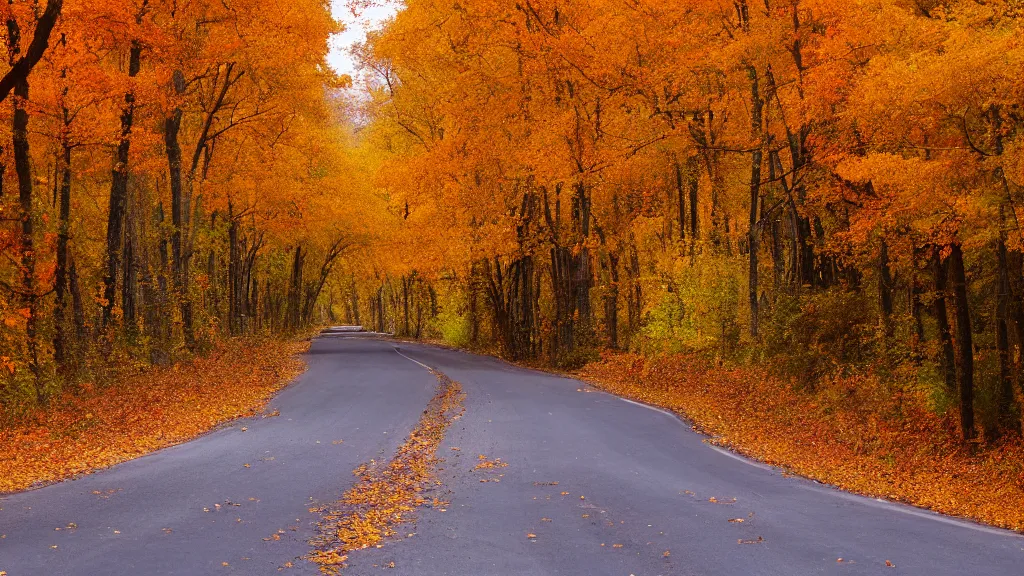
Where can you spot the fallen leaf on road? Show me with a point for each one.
(616, 545)
(736, 520)
(666, 554)
(387, 494)
(531, 535)
(890, 564)
(247, 465)
(486, 464)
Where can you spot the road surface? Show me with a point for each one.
(637, 493)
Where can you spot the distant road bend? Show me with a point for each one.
(637, 493)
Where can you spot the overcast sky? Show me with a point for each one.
(356, 27)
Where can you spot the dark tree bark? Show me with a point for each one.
(60, 337)
(23, 168)
(965, 341)
(405, 305)
(119, 189)
(295, 294)
(354, 297)
(172, 126)
(1007, 418)
(314, 289)
(474, 306)
(77, 306)
(611, 303)
(234, 279)
(915, 311)
(757, 128)
(885, 287)
(694, 186)
(947, 359)
(22, 65)
(681, 199)
(129, 275)
(634, 296)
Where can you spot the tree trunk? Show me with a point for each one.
(77, 307)
(172, 126)
(681, 193)
(757, 127)
(405, 306)
(60, 336)
(474, 308)
(23, 168)
(1007, 418)
(965, 343)
(119, 190)
(611, 303)
(129, 276)
(295, 290)
(885, 287)
(694, 186)
(234, 280)
(947, 359)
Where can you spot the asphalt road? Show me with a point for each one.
(637, 493)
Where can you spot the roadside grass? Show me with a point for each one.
(144, 411)
(886, 444)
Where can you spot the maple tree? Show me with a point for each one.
(169, 160)
(823, 190)
(826, 187)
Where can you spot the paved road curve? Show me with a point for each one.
(638, 490)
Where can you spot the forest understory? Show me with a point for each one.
(133, 410)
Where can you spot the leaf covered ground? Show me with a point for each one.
(885, 445)
(137, 414)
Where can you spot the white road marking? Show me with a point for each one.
(649, 407)
(429, 369)
(840, 493)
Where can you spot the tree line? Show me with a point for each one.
(179, 175)
(827, 187)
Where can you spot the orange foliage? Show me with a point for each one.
(914, 456)
(144, 412)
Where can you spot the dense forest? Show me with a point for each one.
(825, 188)
(172, 173)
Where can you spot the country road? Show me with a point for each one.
(638, 492)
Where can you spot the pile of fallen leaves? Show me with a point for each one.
(104, 425)
(385, 495)
(895, 449)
